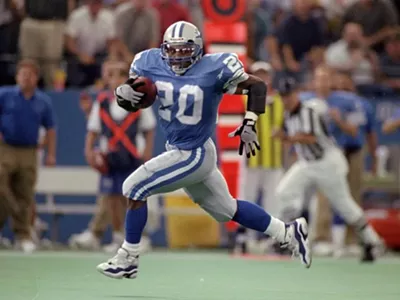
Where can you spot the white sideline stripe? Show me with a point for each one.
(89, 209)
(79, 181)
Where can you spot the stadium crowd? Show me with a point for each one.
(76, 43)
(70, 39)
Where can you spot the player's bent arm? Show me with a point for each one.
(91, 137)
(390, 126)
(347, 127)
(256, 91)
(90, 140)
(302, 138)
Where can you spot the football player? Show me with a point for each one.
(190, 86)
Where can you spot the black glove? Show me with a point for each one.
(127, 96)
(248, 137)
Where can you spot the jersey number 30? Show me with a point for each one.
(189, 96)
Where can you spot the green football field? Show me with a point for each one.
(195, 276)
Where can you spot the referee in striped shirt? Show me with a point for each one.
(320, 163)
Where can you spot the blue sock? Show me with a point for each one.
(134, 224)
(251, 216)
(338, 220)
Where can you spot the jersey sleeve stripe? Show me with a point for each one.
(238, 77)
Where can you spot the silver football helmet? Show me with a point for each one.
(182, 46)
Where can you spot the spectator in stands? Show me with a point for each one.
(196, 13)
(169, 13)
(377, 19)
(334, 11)
(302, 41)
(41, 35)
(275, 46)
(23, 110)
(138, 28)
(259, 25)
(351, 54)
(90, 35)
(390, 63)
(10, 16)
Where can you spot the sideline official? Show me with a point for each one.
(23, 110)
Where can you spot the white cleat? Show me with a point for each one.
(322, 249)
(85, 240)
(27, 246)
(145, 244)
(297, 241)
(122, 265)
(112, 248)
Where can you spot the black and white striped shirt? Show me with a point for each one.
(309, 118)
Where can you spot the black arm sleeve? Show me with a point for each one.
(256, 97)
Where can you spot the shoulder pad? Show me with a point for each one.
(318, 105)
(145, 61)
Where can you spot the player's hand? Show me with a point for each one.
(127, 97)
(335, 115)
(86, 59)
(279, 134)
(90, 156)
(50, 160)
(248, 137)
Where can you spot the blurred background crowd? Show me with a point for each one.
(77, 46)
(71, 39)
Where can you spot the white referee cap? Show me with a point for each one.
(261, 66)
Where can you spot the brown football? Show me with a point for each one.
(149, 89)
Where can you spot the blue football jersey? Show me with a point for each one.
(188, 104)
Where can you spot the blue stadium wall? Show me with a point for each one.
(71, 133)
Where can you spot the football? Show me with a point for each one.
(149, 89)
(100, 162)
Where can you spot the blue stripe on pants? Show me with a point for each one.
(135, 195)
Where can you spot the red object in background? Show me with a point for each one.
(231, 104)
(224, 11)
(231, 226)
(224, 32)
(226, 142)
(386, 222)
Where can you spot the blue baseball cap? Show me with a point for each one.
(286, 85)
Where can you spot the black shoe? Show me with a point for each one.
(368, 255)
(240, 242)
(278, 250)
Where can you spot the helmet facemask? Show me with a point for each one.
(181, 56)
